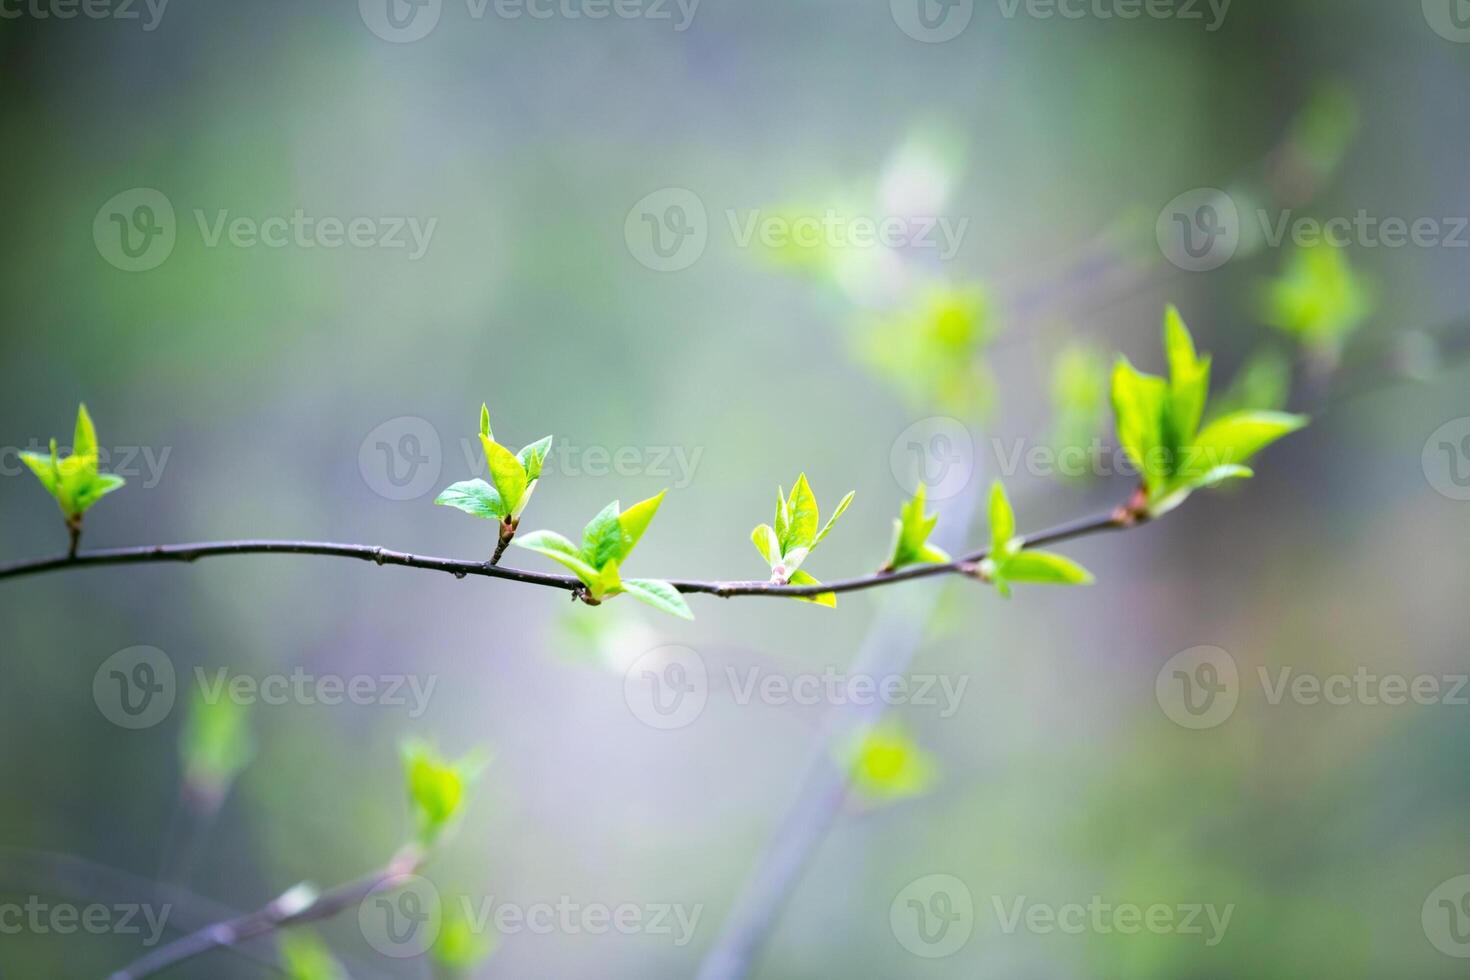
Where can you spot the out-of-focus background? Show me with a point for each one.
(285, 251)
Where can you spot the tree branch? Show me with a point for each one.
(278, 914)
(964, 565)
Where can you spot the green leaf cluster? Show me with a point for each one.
(1009, 561)
(911, 530)
(607, 541)
(74, 481)
(436, 788)
(1158, 423)
(513, 478)
(786, 545)
(1318, 299)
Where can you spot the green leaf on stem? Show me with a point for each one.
(476, 498)
(74, 481)
(1158, 425)
(911, 530)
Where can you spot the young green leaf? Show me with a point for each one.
(795, 534)
(659, 595)
(1002, 520)
(513, 478)
(436, 788)
(634, 521)
(506, 472)
(1008, 560)
(764, 538)
(602, 538)
(1157, 424)
(1045, 568)
(84, 439)
(476, 498)
(842, 505)
(802, 506)
(911, 530)
(828, 599)
(1138, 406)
(560, 550)
(533, 457)
(74, 481)
(606, 543)
(1234, 439)
(1189, 377)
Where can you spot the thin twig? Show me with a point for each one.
(278, 914)
(149, 554)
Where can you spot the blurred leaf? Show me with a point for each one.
(1079, 387)
(460, 947)
(1002, 520)
(1262, 384)
(886, 764)
(436, 788)
(934, 351)
(305, 957)
(215, 745)
(1318, 299)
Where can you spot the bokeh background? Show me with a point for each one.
(252, 387)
